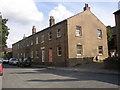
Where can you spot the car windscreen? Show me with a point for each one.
(14, 59)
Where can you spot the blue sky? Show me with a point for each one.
(23, 14)
(75, 7)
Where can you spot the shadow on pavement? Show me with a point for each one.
(77, 76)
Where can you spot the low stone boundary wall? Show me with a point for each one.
(79, 61)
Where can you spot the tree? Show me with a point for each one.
(110, 38)
(5, 33)
(0, 35)
(7, 55)
(109, 34)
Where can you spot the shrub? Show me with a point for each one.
(112, 62)
(112, 59)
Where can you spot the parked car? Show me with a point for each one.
(5, 60)
(1, 60)
(13, 61)
(22, 62)
(1, 68)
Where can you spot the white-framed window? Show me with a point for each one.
(78, 31)
(21, 45)
(58, 33)
(18, 45)
(27, 43)
(31, 42)
(21, 54)
(50, 35)
(59, 51)
(100, 50)
(24, 54)
(37, 55)
(42, 38)
(31, 54)
(99, 33)
(24, 44)
(79, 49)
(37, 40)
(43, 55)
(18, 55)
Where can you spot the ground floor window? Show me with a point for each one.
(79, 49)
(100, 50)
(37, 55)
(18, 55)
(59, 51)
(31, 54)
(50, 55)
(24, 55)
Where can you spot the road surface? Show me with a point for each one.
(15, 77)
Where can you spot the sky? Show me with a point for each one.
(23, 14)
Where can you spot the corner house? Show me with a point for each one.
(75, 40)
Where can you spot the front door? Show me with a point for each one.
(43, 55)
(50, 55)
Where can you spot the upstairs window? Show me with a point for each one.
(31, 42)
(58, 33)
(99, 33)
(31, 54)
(50, 35)
(37, 54)
(24, 54)
(78, 31)
(27, 43)
(100, 50)
(21, 54)
(79, 49)
(18, 45)
(42, 38)
(36, 40)
(59, 51)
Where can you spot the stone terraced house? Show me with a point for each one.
(75, 40)
(117, 20)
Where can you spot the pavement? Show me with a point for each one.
(91, 68)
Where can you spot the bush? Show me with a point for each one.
(112, 62)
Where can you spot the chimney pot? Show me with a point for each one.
(34, 30)
(24, 36)
(86, 7)
(51, 21)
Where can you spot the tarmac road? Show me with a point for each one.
(15, 77)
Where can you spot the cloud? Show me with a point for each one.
(20, 11)
(21, 15)
(60, 13)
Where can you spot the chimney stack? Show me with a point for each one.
(52, 20)
(86, 7)
(24, 36)
(0, 15)
(33, 30)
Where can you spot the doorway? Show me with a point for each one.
(43, 55)
(50, 55)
